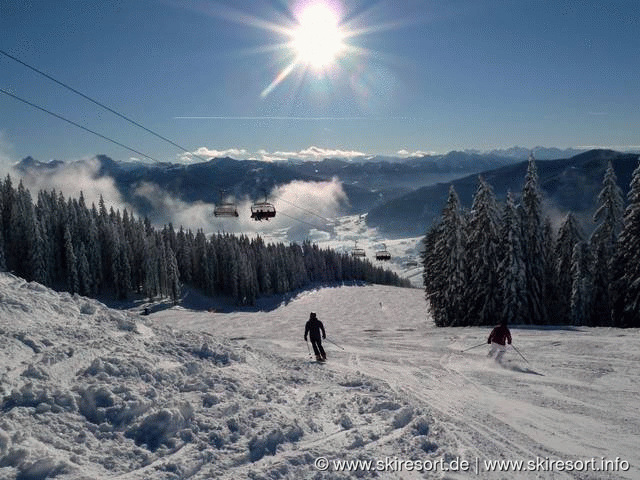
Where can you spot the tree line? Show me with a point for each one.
(505, 262)
(64, 244)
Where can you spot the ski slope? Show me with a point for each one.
(89, 392)
(575, 399)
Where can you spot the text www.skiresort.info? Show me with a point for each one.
(477, 466)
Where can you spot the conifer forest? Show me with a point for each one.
(94, 251)
(498, 263)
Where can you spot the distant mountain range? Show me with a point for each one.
(366, 183)
(571, 184)
(540, 153)
(512, 153)
(401, 196)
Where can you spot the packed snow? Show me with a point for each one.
(89, 392)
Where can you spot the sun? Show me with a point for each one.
(317, 39)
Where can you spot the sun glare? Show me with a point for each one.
(318, 40)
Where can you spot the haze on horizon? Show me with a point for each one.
(249, 78)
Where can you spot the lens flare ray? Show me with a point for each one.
(284, 73)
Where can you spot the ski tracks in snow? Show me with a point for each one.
(398, 373)
(465, 413)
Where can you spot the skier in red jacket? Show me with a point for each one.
(499, 337)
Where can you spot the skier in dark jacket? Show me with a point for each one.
(313, 329)
(499, 337)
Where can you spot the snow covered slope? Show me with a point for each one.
(88, 392)
(576, 399)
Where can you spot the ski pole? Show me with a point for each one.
(514, 347)
(329, 340)
(309, 349)
(475, 346)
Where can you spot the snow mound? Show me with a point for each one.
(88, 391)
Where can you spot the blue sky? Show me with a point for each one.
(418, 75)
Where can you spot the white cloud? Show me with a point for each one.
(265, 156)
(208, 153)
(313, 205)
(300, 207)
(170, 209)
(319, 153)
(6, 158)
(310, 153)
(322, 198)
(72, 178)
(69, 178)
(404, 153)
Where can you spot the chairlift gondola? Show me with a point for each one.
(358, 252)
(383, 254)
(225, 209)
(263, 210)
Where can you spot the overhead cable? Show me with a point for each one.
(304, 209)
(124, 117)
(86, 97)
(78, 125)
(301, 221)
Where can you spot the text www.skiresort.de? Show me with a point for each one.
(456, 464)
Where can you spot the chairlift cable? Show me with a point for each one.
(301, 221)
(31, 104)
(124, 117)
(78, 125)
(86, 97)
(304, 209)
